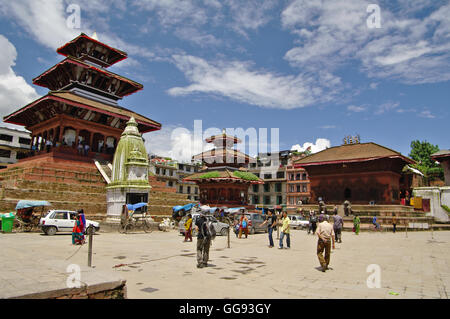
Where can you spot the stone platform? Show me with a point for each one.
(38, 277)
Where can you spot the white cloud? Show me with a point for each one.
(15, 92)
(250, 14)
(327, 127)
(320, 145)
(334, 33)
(357, 109)
(175, 142)
(174, 12)
(45, 21)
(386, 107)
(427, 114)
(236, 80)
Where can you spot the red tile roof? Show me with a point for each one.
(351, 153)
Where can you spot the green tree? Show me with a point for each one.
(421, 153)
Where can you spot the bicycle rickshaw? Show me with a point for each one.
(134, 215)
(29, 213)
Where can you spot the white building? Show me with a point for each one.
(14, 145)
(189, 188)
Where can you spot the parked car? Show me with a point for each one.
(221, 228)
(63, 221)
(298, 221)
(254, 222)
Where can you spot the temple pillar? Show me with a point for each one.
(61, 132)
(91, 140)
(77, 138)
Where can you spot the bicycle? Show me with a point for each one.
(128, 224)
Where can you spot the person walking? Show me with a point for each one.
(310, 223)
(394, 223)
(337, 226)
(271, 220)
(243, 226)
(188, 228)
(325, 233)
(285, 232)
(314, 223)
(203, 242)
(356, 224)
(374, 222)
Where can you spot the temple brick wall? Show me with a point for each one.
(71, 185)
(382, 187)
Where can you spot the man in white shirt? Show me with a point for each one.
(325, 233)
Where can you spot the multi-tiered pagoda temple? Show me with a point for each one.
(225, 180)
(79, 118)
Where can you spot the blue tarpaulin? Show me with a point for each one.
(186, 208)
(133, 207)
(31, 203)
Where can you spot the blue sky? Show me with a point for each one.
(313, 69)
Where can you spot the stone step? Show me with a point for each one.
(40, 185)
(67, 180)
(383, 213)
(48, 170)
(368, 219)
(400, 228)
(42, 194)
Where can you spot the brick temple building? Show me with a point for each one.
(362, 173)
(82, 104)
(75, 129)
(225, 180)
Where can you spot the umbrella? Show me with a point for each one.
(31, 203)
(133, 207)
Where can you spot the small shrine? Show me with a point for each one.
(225, 180)
(129, 180)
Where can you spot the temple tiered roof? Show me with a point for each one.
(70, 104)
(71, 71)
(351, 153)
(89, 49)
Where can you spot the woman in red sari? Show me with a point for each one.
(78, 230)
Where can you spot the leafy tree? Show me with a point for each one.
(421, 153)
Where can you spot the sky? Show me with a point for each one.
(315, 71)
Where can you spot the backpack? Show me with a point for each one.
(244, 224)
(208, 230)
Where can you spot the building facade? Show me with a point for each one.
(165, 170)
(271, 168)
(185, 187)
(298, 187)
(14, 145)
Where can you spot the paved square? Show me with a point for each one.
(160, 265)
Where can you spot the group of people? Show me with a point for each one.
(328, 234)
(83, 148)
(241, 226)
